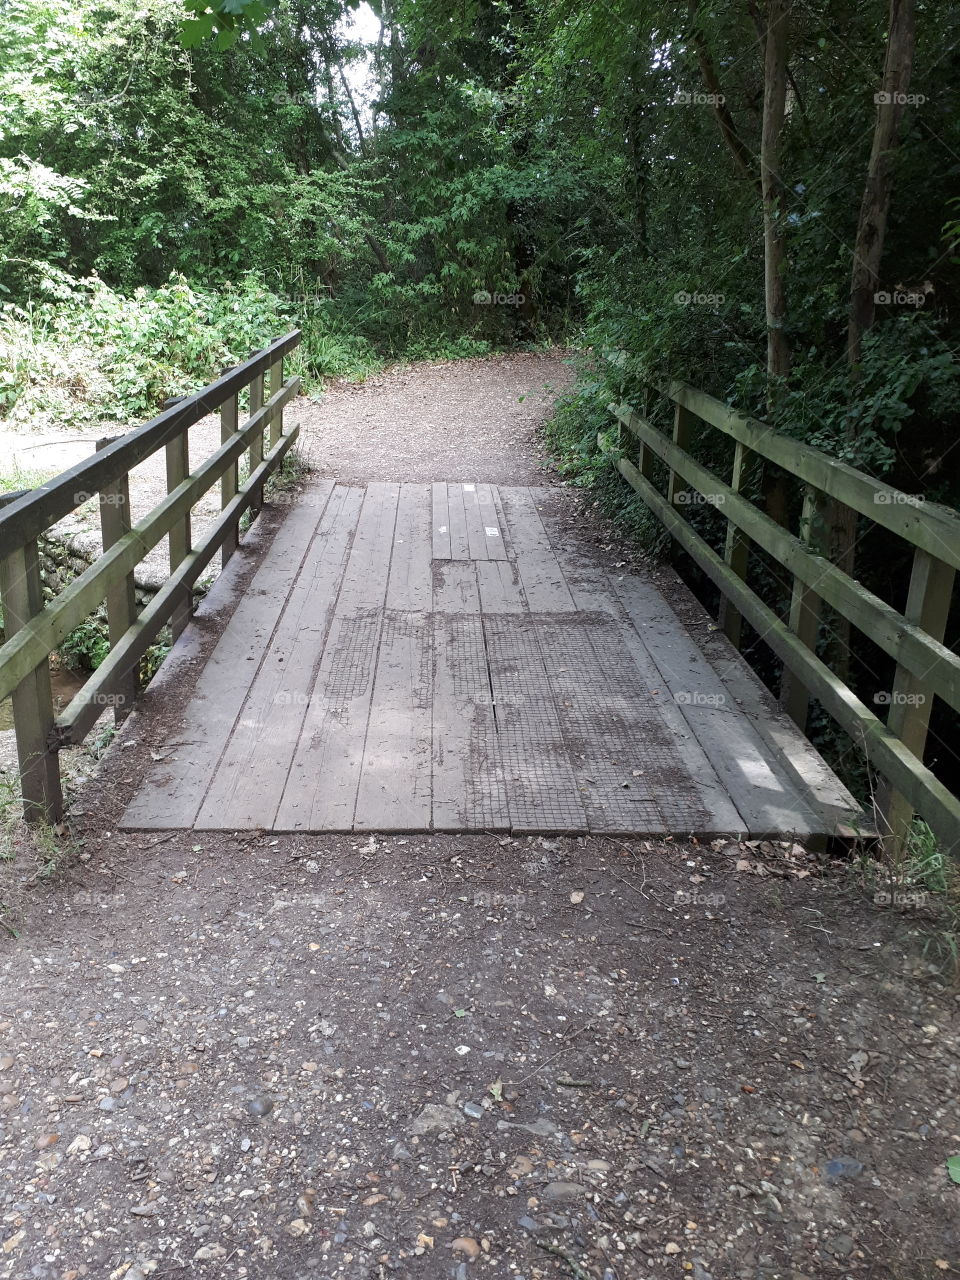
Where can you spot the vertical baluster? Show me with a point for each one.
(737, 547)
(229, 419)
(805, 605)
(21, 592)
(256, 444)
(115, 523)
(178, 468)
(911, 699)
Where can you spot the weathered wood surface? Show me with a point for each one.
(415, 657)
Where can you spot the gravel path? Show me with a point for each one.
(259, 1057)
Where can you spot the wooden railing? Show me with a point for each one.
(34, 628)
(925, 667)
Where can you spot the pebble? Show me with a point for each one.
(530, 1224)
(840, 1246)
(473, 1110)
(260, 1106)
(467, 1246)
(843, 1167)
(108, 1104)
(563, 1191)
(435, 1118)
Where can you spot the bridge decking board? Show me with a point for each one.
(415, 657)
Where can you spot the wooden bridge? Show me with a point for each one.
(446, 657)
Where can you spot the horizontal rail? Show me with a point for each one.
(923, 524)
(911, 646)
(33, 643)
(88, 704)
(927, 795)
(42, 507)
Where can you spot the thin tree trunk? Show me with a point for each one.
(865, 276)
(875, 206)
(728, 130)
(774, 249)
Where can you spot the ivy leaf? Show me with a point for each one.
(953, 1168)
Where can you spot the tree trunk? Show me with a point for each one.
(871, 229)
(774, 250)
(865, 276)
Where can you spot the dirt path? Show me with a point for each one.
(276, 1057)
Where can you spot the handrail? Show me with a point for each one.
(34, 627)
(926, 667)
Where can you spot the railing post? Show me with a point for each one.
(21, 592)
(274, 385)
(115, 522)
(180, 537)
(683, 421)
(911, 699)
(805, 605)
(737, 548)
(229, 420)
(256, 444)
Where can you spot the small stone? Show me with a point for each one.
(563, 1191)
(118, 1085)
(522, 1165)
(6, 1062)
(530, 1224)
(108, 1104)
(840, 1246)
(466, 1245)
(260, 1106)
(298, 1227)
(435, 1118)
(208, 1251)
(473, 1110)
(843, 1167)
(671, 1248)
(46, 1140)
(143, 1210)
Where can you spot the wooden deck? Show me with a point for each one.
(416, 657)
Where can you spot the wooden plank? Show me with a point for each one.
(928, 525)
(321, 790)
(122, 595)
(766, 798)
(253, 769)
(178, 468)
(540, 572)
(173, 793)
(22, 653)
(44, 506)
(256, 442)
(467, 781)
(455, 587)
(911, 699)
(459, 537)
(21, 592)
(441, 522)
(411, 572)
(500, 589)
(495, 542)
(395, 791)
(476, 538)
(82, 713)
(229, 423)
(584, 576)
(909, 644)
(737, 547)
(804, 604)
(928, 796)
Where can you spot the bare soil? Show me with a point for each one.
(289, 1057)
